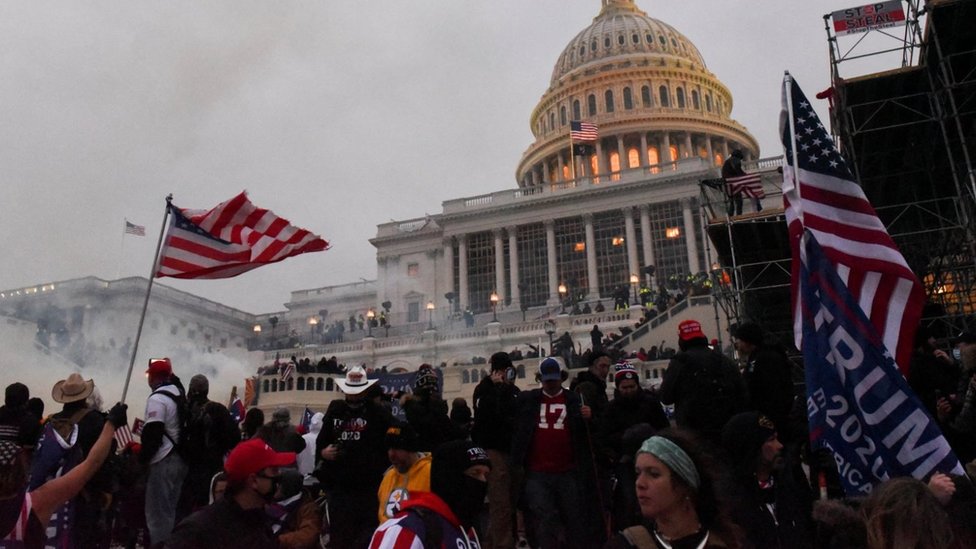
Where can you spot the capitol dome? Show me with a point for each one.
(646, 87)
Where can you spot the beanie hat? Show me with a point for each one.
(624, 371)
(402, 437)
(426, 378)
(750, 332)
(16, 395)
(743, 436)
(448, 463)
(500, 361)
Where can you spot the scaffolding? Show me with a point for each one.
(908, 134)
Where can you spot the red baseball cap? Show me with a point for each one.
(252, 455)
(690, 329)
(160, 366)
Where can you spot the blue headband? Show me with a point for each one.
(674, 457)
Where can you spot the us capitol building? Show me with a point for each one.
(574, 228)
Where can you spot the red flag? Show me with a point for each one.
(749, 185)
(820, 194)
(233, 238)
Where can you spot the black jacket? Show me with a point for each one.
(622, 414)
(223, 525)
(769, 380)
(527, 419)
(706, 389)
(428, 416)
(494, 415)
(359, 433)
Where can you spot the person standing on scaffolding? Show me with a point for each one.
(731, 169)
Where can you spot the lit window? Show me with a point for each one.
(674, 153)
(579, 247)
(617, 241)
(413, 269)
(653, 159)
(672, 232)
(633, 158)
(614, 162)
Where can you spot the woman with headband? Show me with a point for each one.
(676, 494)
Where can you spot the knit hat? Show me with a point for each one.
(744, 435)
(750, 332)
(550, 370)
(426, 378)
(16, 395)
(252, 455)
(402, 437)
(623, 371)
(448, 463)
(500, 361)
(690, 329)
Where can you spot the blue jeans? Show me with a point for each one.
(162, 494)
(556, 504)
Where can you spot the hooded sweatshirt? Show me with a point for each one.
(306, 459)
(423, 520)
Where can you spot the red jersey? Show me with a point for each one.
(551, 450)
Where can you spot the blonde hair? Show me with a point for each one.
(902, 513)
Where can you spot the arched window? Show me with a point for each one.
(319, 383)
(266, 387)
(566, 173)
(614, 162)
(663, 96)
(628, 99)
(633, 158)
(608, 99)
(290, 384)
(465, 378)
(520, 371)
(591, 105)
(474, 375)
(593, 45)
(674, 153)
(552, 121)
(310, 384)
(621, 40)
(606, 42)
(708, 102)
(646, 95)
(562, 115)
(718, 159)
(274, 385)
(577, 113)
(582, 51)
(300, 385)
(653, 159)
(681, 98)
(594, 165)
(635, 38)
(695, 102)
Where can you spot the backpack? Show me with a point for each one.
(713, 396)
(183, 415)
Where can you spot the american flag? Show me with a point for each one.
(582, 131)
(287, 371)
(749, 185)
(307, 419)
(132, 228)
(123, 436)
(820, 194)
(230, 239)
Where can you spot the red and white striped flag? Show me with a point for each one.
(749, 185)
(123, 436)
(133, 229)
(582, 131)
(233, 238)
(287, 371)
(820, 194)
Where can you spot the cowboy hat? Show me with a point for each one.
(355, 381)
(72, 389)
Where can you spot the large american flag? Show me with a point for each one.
(820, 194)
(582, 131)
(232, 238)
(749, 185)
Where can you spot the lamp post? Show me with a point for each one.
(494, 304)
(634, 281)
(257, 335)
(562, 297)
(312, 322)
(370, 315)
(430, 315)
(550, 329)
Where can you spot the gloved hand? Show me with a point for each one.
(117, 416)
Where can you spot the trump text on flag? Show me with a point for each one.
(871, 16)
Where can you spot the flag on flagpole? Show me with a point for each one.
(582, 131)
(748, 185)
(307, 419)
(287, 370)
(820, 195)
(859, 407)
(232, 238)
(133, 229)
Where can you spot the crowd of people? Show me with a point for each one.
(593, 461)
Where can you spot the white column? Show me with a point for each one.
(645, 160)
(709, 151)
(545, 172)
(601, 161)
(499, 265)
(551, 260)
(621, 153)
(689, 148)
(725, 148)
(513, 269)
(463, 270)
(646, 242)
(449, 266)
(690, 241)
(591, 274)
(665, 149)
(562, 164)
(630, 237)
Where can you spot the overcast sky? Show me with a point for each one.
(337, 115)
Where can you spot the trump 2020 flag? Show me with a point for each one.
(230, 239)
(820, 195)
(859, 406)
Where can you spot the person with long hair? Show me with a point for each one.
(24, 514)
(904, 512)
(678, 497)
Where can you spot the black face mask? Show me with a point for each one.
(355, 404)
(270, 495)
(470, 499)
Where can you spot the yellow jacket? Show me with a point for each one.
(396, 487)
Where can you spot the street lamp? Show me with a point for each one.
(370, 315)
(494, 303)
(550, 329)
(562, 297)
(634, 281)
(257, 329)
(312, 322)
(430, 315)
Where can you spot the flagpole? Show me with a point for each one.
(118, 271)
(788, 81)
(145, 303)
(572, 155)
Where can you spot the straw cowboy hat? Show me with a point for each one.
(72, 389)
(355, 381)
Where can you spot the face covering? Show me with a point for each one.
(269, 496)
(470, 499)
